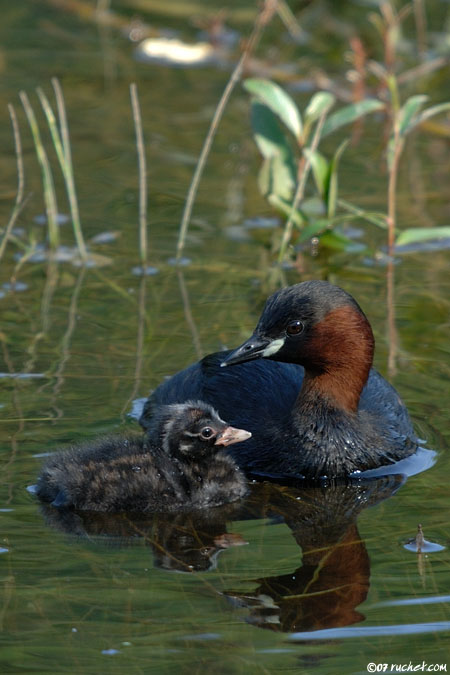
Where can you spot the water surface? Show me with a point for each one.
(314, 581)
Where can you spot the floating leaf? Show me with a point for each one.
(333, 180)
(408, 112)
(275, 98)
(320, 168)
(350, 113)
(414, 235)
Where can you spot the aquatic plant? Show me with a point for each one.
(288, 141)
(286, 166)
(61, 141)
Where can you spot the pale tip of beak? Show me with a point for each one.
(231, 435)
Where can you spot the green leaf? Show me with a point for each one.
(333, 180)
(285, 208)
(319, 104)
(277, 176)
(320, 168)
(338, 242)
(408, 113)
(350, 113)
(275, 98)
(313, 229)
(415, 235)
(269, 138)
(378, 219)
(430, 112)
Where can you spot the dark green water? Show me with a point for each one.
(156, 592)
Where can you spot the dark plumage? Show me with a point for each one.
(317, 407)
(179, 465)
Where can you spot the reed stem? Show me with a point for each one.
(263, 18)
(19, 203)
(67, 169)
(143, 198)
(47, 177)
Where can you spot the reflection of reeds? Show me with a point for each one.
(61, 142)
(143, 248)
(188, 315)
(47, 177)
(19, 203)
(65, 352)
(139, 345)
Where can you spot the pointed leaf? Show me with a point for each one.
(285, 208)
(319, 104)
(339, 242)
(377, 219)
(408, 113)
(414, 235)
(275, 98)
(430, 112)
(333, 180)
(350, 113)
(320, 169)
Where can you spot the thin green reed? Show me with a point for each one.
(47, 177)
(143, 247)
(19, 203)
(61, 142)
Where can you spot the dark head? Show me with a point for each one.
(193, 430)
(321, 327)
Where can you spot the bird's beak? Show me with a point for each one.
(231, 435)
(253, 348)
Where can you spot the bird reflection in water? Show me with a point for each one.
(333, 579)
(324, 591)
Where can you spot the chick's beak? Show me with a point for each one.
(231, 435)
(253, 348)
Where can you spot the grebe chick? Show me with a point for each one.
(179, 465)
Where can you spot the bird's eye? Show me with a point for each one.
(294, 328)
(206, 432)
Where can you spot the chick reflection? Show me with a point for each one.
(333, 579)
(186, 542)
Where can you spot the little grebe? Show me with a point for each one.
(313, 402)
(179, 465)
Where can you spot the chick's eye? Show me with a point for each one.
(294, 328)
(206, 432)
